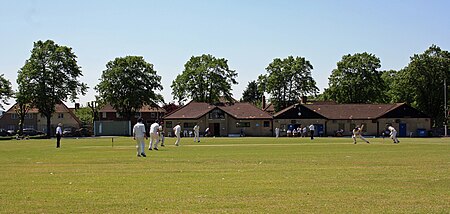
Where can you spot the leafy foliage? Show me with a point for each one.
(288, 80)
(252, 93)
(204, 79)
(50, 76)
(421, 83)
(128, 84)
(356, 80)
(6, 91)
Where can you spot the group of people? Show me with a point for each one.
(357, 132)
(301, 131)
(156, 133)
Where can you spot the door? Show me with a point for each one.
(402, 130)
(214, 129)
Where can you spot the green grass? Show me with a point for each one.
(226, 175)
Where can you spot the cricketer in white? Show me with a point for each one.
(139, 135)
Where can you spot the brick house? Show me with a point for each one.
(222, 119)
(34, 120)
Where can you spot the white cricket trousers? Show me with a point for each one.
(394, 136)
(154, 138)
(360, 136)
(196, 136)
(140, 145)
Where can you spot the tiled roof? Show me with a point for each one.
(192, 110)
(245, 111)
(352, 111)
(109, 108)
(195, 110)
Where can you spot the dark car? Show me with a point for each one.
(31, 132)
(4, 133)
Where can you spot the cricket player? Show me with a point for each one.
(177, 131)
(161, 133)
(154, 136)
(357, 132)
(139, 135)
(311, 130)
(197, 133)
(393, 133)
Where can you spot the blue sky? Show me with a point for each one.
(248, 33)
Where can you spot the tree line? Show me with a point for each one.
(51, 75)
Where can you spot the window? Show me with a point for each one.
(14, 116)
(242, 124)
(168, 124)
(103, 114)
(29, 116)
(137, 115)
(216, 114)
(188, 125)
(60, 115)
(266, 124)
(152, 115)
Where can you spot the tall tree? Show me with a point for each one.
(204, 79)
(51, 74)
(421, 83)
(6, 91)
(128, 84)
(288, 80)
(252, 93)
(356, 80)
(23, 104)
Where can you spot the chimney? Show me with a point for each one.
(304, 99)
(263, 102)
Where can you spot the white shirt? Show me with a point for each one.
(392, 129)
(139, 130)
(177, 129)
(196, 128)
(154, 128)
(311, 127)
(59, 130)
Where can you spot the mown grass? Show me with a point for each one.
(226, 175)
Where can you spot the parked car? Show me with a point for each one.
(67, 132)
(11, 132)
(82, 132)
(31, 132)
(4, 133)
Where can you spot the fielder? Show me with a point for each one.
(161, 133)
(139, 135)
(357, 131)
(197, 133)
(393, 134)
(177, 131)
(154, 136)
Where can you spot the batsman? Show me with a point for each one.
(357, 132)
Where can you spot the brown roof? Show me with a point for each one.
(352, 111)
(195, 110)
(109, 108)
(59, 108)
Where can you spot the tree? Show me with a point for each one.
(421, 83)
(6, 91)
(252, 93)
(51, 74)
(128, 84)
(23, 104)
(85, 115)
(204, 79)
(356, 80)
(170, 107)
(288, 80)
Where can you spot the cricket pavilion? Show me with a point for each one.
(328, 118)
(221, 119)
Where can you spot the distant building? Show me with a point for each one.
(34, 120)
(222, 119)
